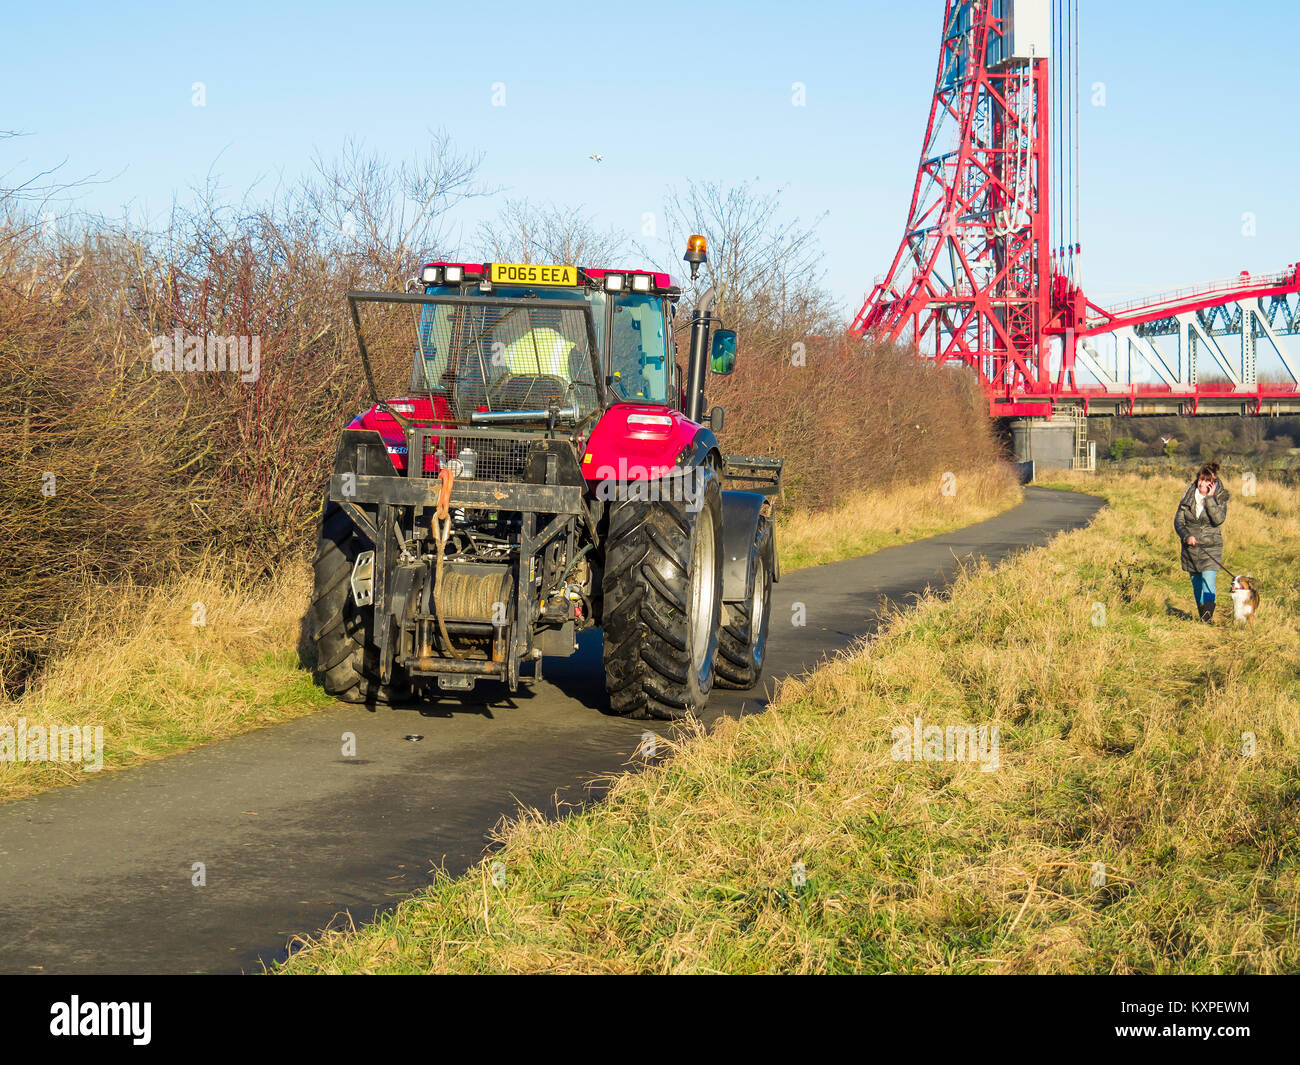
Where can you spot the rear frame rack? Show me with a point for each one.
(755, 473)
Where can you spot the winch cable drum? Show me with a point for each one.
(471, 596)
(460, 595)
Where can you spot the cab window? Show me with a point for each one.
(638, 359)
(430, 370)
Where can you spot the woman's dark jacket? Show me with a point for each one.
(1208, 552)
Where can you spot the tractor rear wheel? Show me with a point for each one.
(662, 603)
(347, 665)
(742, 643)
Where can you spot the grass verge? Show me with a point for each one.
(870, 521)
(135, 664)
(166, 669)
(1144, 815)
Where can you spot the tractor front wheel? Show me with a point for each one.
(662, 603)
(347, 665)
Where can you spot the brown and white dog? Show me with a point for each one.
(1245, 600)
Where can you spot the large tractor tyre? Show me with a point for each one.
(347, 666)
(742, 643)
(662, 604)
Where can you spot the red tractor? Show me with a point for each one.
(548, 468)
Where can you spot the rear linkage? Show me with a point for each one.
(451, 607)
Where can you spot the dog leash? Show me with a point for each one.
(1210, 558)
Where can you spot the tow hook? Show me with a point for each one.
(363, 578)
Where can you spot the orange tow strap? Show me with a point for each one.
(441, 533)
(446, 476)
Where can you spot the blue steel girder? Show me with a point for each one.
(1282, 313)
(1163, 327)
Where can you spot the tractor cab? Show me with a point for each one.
(632, 315)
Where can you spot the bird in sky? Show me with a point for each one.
(595, 157)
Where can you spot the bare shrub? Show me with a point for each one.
(763, 265)
(547, 233)
(150, 466)
(844, 414)
(852, 416)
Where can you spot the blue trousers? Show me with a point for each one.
(1203, 586)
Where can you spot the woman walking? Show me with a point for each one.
(1199, 524)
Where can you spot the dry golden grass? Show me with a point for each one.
(869, 521)
(135, 663)
(1126, 743)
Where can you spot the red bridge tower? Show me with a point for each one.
(985, 278)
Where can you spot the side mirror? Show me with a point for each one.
(716, 419)
(722, 356)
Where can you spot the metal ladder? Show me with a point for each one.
(1085, 454)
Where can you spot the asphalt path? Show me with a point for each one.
(293, 836)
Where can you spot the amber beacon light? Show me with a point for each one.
(697, 252)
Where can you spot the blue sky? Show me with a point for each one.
(1195, 131)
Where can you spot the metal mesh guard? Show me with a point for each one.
(497, 457)
(480, 353)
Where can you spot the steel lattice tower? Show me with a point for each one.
(976, 279)
(971, 277)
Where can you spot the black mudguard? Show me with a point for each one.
(363, 451)
(741, 512)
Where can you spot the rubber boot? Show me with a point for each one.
(1207, 612)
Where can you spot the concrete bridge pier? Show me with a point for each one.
(1051, 443)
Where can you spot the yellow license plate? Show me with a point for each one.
(533, 274)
